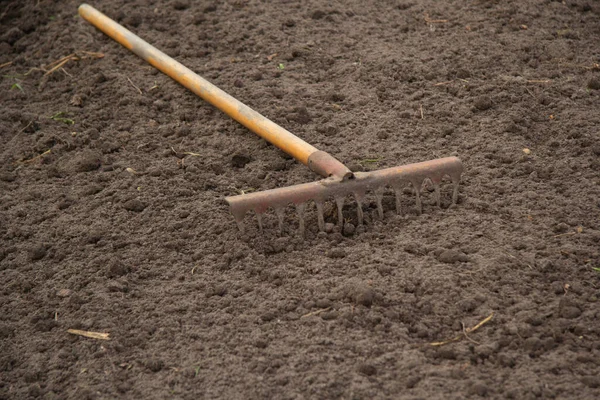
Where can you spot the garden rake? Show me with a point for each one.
(338, 183)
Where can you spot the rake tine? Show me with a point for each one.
(321, 219)
(300, 210)
(280, 215)
(260, 224)
(438, 196)
(359, 211)
(379, 199)
(339, 201)
(454, 191)
(397, 193)
(419, 205)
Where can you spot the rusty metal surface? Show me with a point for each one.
(326, 165)
(358, 186)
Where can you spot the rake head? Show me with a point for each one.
(357, 185)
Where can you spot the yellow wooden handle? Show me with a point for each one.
(237, 110)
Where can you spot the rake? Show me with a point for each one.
(338, 183)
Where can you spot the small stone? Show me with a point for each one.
(134, 205)
(367, 369)
(336, 253)
(238, 83)
(382, 135)
(329, 227)
(63, 293)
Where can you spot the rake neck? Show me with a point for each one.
(326, 165)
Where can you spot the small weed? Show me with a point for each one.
(280, 66)
(17, 86)
(58, 117)
(371, 160)
(596, 269)
(197, 371)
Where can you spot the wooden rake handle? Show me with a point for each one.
(319, 161)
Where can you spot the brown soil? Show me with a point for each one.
(106, 224)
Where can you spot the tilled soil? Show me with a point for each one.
(112, 216)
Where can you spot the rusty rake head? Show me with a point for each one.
(357, 186)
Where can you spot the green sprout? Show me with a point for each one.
(16, 86)
(58, 117)
(280, 66)
(372, 160)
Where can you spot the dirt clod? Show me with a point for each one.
(240, 160)
(367, 369)
(363, 295)
(449, 256)
(483, 103)
(594, 83)
(336, 253)
(154, 364)
(37, 252)
(349, 229)
(134, 205)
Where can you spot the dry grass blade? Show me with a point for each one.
(133, 84)
(29, 161)
(310, 314)
(88, 334)
(433, 21)
(6, 64)
(81, 55)
(465, 332)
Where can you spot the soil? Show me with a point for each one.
(112, 216)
